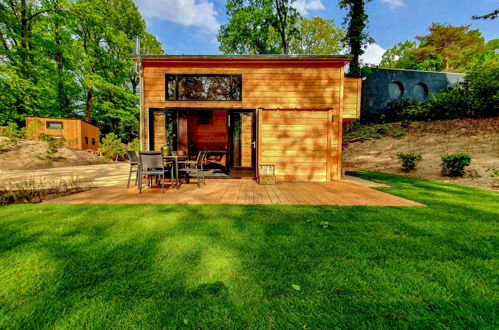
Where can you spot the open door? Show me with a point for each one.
(242, 143)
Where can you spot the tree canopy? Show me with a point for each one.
(444, 48)
(319, 36)
(67, 58)
(258, 27)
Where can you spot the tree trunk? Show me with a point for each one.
(62, 101)
(24, 37)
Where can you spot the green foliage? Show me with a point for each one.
(477, 96)
(11, 131)
(406, 110)
(53, 145)
(454, 165)
(134, 145)
(409, 160)
(64, 58)
(318, 36)
(258, 27)
(400, 56)
(356, 36)
(444, 48)
(454, 44)
(112, 147)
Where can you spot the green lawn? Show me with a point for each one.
(212, 266)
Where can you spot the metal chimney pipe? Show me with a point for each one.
(137, 45)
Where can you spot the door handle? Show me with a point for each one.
(254, 144)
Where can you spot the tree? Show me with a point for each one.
(455, 45)
(492, 16)
(319, 36)
(71, 58)
(258, 27)
(400, 56)
(356, 37)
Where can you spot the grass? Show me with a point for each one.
(212, 266)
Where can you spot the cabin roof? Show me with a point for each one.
(255, 56)
(62, 118)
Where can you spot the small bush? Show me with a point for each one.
(409, 160)
(53, 145)
(112, 147)
(406, 110)
(399, 133)
(454, 165)
(134, 145)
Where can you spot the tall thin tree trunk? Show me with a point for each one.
(62, 101)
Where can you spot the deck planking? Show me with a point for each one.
(242, 192)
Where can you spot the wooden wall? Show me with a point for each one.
(351, 98)
(300, 84)
(74, 131)
(303, 145)
(246, 140)
(213, 136)
(91, 132)
(159, 130)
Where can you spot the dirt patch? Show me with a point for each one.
(26, 154)
(478, 137)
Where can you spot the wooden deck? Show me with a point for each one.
(243, 192)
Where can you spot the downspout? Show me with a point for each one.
(138, 72)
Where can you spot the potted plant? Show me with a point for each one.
(166, 149)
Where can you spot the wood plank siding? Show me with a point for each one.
(302, 103)
(351, 96)
(302, 144)
(78, 134)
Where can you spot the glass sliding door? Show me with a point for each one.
(242, 142)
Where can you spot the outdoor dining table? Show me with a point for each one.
(175, 162)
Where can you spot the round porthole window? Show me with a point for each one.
(420, 91)
(395, 90)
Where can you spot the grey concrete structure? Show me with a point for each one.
(383, 86)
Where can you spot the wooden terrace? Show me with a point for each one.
(236, 191)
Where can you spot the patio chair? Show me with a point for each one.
(196, 168)
(134, 166)
(152, 165)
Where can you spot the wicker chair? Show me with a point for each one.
(152, 165)
(134, 166)
(196, 168)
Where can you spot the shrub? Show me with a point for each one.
(406, 110)
(134, 145)
(53, 145)
(454, 165)
(409, 160)
(112, 147)
(12, 133)
(399, 133)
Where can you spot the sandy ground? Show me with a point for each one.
(25, 155)
(480, 139)
(99, 175)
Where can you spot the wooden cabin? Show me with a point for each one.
(282, 110)
(78, 133)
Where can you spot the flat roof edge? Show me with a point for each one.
(257, 56)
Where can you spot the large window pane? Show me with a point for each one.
(204, 87)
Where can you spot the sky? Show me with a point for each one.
(190, 27)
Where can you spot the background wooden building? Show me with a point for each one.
(78, 133)
(281, 110)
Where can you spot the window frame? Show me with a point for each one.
(55, 122)
(176, 75)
